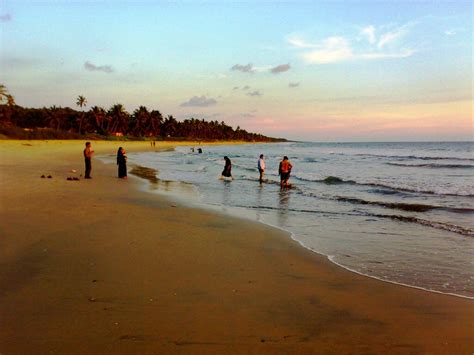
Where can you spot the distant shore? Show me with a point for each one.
(98, 266)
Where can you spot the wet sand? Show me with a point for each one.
(99, 267)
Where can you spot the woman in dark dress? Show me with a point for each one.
(227, 168)
(122, 163)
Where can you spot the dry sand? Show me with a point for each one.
(97, 266)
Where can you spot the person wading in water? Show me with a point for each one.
(284, 170)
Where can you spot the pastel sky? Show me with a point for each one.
(309, 70)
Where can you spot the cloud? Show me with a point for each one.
(280, 68)
(294, 85)
(402, 54)
(246, 87)
(255, 93)
(297, 42)
(235, 88)
(103, 68)
(199, 101)
(243, 68)
(369, 32)
(392, 36)
(5, 18)
(452, 31)
(336, 49)
(332, 49)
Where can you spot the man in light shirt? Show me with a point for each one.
(261, 167)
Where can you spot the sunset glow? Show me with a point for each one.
(320, 71)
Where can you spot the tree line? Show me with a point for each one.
(115, 121)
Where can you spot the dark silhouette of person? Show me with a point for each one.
(122, 163)
(227, 168)
(88, 152)
(261, 167)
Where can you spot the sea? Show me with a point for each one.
(398, 212)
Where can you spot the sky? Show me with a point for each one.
(304, 70)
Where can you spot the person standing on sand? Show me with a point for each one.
(122, 163)
(227, 168)
(88, 152)
(284, 170)
(261, 167)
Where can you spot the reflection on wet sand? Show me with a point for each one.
(159, 184)
(283, 204)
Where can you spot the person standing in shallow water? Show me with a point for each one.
(88, 152)
(122, 163)
(261, 167)
(227, 168)
(284, 170)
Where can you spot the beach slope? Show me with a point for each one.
(100, 267)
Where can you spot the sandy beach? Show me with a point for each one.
(101, 267)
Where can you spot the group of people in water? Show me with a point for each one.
(284, 168)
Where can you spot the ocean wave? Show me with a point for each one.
(246, 168)
(406, 157)
(412, 207)
(335, 180)
(437, 225)
(468, 232)
(434, 165)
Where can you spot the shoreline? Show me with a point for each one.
(201, 205)
(146, 274)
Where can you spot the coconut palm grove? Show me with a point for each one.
(97, 122)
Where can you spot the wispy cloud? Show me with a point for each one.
(293, 85)
(243, 68)
(255, 93)
(453, 31)
(391, 36)
(5, 18)
(369, 32)
(280, 68)
(297, 42)
(246, 87)
(383, 45)
(103, 68)
(199, 101)
(332, 49)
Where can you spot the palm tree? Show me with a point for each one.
(170, 126)
(55, 117)
(99, 116)
(118, 119)
(140, 122)
(81, 102)
(5, 96)
(155, 122)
